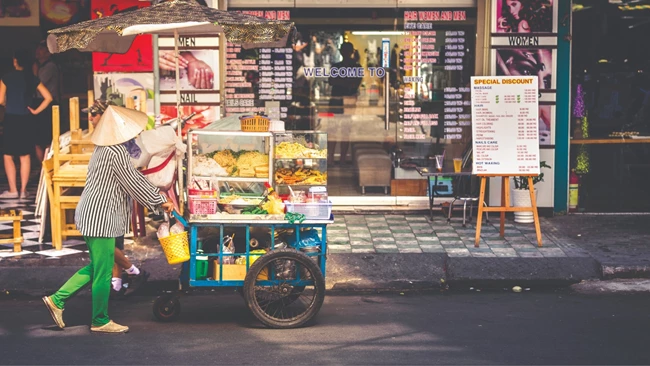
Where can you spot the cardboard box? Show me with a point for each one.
(235, 272)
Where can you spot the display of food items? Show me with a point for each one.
(299, 176)
(224, 163)
(294, 150)
(624, 134)
(238, 200)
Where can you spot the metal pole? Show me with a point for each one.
(179, 128)
(387, 99)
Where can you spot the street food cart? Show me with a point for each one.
(256, 217)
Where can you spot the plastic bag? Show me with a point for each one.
(308, 238)
(163, 230)
(228, 248)
(164, 177)
(177, 228)
(274, 206)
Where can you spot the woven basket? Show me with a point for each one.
(254, 124)
(176, 248)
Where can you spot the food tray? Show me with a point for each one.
(311, 210)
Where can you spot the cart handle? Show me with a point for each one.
(179, 217)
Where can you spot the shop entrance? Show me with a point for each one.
(391, 89)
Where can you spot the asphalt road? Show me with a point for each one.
(488, 327)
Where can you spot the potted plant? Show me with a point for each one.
(521, 195)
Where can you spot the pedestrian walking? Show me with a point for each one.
(135, 276)
(17, 90)
(103, 213)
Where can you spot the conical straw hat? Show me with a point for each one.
(119, 125)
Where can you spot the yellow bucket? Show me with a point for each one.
(176, 248)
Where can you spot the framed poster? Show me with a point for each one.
(139, 58)
(205, 114)
(19, 13)
(60, 13)
(524, 61)
(505, 128)
(524, 16)
(134, 90)
(546, 125)
(198, 62)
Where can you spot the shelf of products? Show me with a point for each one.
(228, 171)
(300, 159)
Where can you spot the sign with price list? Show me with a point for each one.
(505, 125)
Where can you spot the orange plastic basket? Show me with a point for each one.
(254, 124)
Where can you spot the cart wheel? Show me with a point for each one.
(167, 308)
(281, 302)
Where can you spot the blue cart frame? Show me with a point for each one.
(167, 307)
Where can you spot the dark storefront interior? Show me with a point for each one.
(611, 62)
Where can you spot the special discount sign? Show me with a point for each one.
(505, 126)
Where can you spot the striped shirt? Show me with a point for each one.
(104, 209)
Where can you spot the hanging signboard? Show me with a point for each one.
(505, 128)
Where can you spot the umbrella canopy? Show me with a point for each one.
(118, 125)
(115, 33)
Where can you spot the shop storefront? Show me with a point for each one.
(610, 124)
(388, 83)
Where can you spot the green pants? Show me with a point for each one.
(98, 271)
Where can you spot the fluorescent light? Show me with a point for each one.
(378, 33)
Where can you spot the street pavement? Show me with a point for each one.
(493, 326)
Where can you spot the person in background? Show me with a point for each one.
(103, 214)
(17, 90)
(136, 277)
(343, 99)
(48, 73)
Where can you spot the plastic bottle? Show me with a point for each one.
(574, 186)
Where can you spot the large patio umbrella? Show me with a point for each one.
(114, 34)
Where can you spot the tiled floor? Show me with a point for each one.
(417, 234)
(30, 227)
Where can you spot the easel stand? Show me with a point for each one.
(505, 206)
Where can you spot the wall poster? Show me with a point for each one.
(524, 16)
(61, 13)
(132, 90)
(19, 13)
(139, 58)
(505, 129)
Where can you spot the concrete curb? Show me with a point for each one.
(345, 272)
(609, 272)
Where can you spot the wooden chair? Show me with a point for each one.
(66, 174)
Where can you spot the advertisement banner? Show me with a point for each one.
(139, 58)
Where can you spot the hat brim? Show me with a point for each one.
(85, 110)
(118, 125)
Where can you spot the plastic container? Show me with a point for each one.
(318, 194)
(201, 266)
(312, 211)
(203, 206)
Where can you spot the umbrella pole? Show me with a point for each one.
(179, 128)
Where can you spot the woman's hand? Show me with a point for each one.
(168, 206)
(167, 62)
(200, 74)
(32, 111)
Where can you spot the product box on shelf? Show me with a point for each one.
(235, 272)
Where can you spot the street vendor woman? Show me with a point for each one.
(103, 212)
(135, 275)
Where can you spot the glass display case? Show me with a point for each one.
(227, 168)
(300, 161)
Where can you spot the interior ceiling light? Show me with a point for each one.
(378, 33)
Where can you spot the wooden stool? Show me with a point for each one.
(17, 238)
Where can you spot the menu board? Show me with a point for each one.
(258, 78)
(506, 127)
(433, 64)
